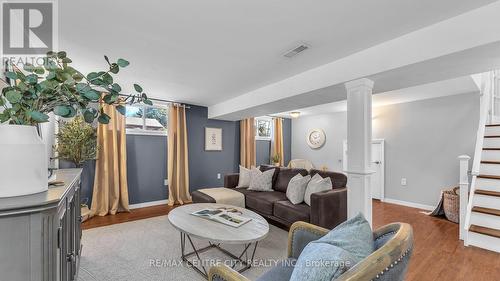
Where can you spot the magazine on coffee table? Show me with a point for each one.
(228, 216)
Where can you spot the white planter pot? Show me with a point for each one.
(23, 161)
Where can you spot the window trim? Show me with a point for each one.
(144, 131)
(271, 133)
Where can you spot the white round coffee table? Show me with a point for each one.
(216, 233)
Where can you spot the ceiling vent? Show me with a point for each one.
(295, 51)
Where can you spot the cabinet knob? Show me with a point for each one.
(70, 257)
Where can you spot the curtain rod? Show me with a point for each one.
(162, 100)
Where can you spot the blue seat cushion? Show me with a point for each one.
(281, 272)
(336, 252)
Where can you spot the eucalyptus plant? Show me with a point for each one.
(76, 141)
(57, 87)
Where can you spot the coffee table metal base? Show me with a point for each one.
(196, 252)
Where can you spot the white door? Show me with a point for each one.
(378, 166)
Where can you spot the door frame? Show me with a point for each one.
(382, 160)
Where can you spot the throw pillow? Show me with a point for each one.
(297, 188)
(244, 177)
(261, 181)
(330, 256)
(316, 184)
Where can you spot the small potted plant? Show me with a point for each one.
(276, 159)
(54, 87)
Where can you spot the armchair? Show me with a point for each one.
(389, 261)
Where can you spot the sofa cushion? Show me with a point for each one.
(336, 252)
(281, 272)
(261, 181)
(264, 168)
(284, 177)
(297, 188)
(291, 213)
(315, 185)
(263, 202)
(339, 180)
(244, 178)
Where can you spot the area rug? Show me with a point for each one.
(149, 250)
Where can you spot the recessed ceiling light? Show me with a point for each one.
(295, 114)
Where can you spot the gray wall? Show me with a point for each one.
(146, 168)
(423, 140)
(205, 165)
(262, 152)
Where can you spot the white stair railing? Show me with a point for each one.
(489, 89)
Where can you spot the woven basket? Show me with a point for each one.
(452, 204)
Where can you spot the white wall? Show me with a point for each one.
(423, 139)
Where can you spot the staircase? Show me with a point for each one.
(482, 218)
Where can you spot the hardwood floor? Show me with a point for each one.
(136, 214)
(438, 254)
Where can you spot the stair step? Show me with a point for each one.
(490, 162)
(487, 211)
(487, 192)
(493, 125)
(485, 231)
(493, 177)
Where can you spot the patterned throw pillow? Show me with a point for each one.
(261, 181)
(316, 184)
(244, 178)
(336, 252)
(297, 188)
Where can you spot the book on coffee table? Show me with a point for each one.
(223, 215)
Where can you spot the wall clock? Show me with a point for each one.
(316, 138)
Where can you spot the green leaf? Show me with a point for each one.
(147, 101)
(103, 118)
(110, 98)
(122, 63)
(51, 75)
(107, 78)
(92, 95)
(62, 110)
(138, 88)
(88, 116)
(38, 116)
(67, 60)
(61, 54)
(13, 96)
(82, 87)
(116, 87)
(32, 79)
(92, 76)
(39, 70)
(120, 108)
(114, 68)
(11, 75)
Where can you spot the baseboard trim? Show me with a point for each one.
(409, 204)
(147, 204)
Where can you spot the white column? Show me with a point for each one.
(464, 192)
(359, 143)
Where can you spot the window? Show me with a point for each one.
(263, 128)
(147, 120)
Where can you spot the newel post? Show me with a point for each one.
(464, 192)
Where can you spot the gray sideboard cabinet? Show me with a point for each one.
(40, 234)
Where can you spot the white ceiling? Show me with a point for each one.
(456, 86)
(204, 52)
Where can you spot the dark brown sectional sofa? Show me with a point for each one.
(328, 208)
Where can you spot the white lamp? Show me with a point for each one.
(295, 114)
